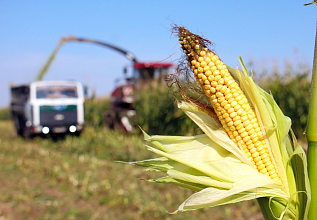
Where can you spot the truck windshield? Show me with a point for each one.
(56, 92)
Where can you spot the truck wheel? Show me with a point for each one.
(17, 126)
(16, 129)
(26, 133)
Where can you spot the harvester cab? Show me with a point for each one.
(121, 115)
(149, 71)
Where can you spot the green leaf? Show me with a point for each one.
(275, 208)
(205, 160)
(184, 184)
(233, 73)
(267, 121)
(213, 130)
(299, 163)
(202, 164)
(282, 128)
(155, 143)
(249, 187)
(198, 179)
(158, 164)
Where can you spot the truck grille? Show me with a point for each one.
(58, 115)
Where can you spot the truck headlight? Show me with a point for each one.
(45, 130)
(72, 128)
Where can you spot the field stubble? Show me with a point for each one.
(80, 178)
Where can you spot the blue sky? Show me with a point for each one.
(264, 31)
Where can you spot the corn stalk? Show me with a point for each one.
(312, 140)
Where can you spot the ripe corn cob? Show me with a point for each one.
(229, 102)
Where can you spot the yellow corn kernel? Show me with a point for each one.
(230, 104)
(252, 150)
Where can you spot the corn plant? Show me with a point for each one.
(248, 150)
(158, 112)
(312, 137)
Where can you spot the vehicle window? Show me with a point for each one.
(56, 92)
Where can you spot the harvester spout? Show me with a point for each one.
(65, 39)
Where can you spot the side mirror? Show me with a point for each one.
(85, 91)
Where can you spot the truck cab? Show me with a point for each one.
(48, 107)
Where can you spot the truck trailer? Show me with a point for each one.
(48, 107)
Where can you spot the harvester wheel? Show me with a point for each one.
(109, 120)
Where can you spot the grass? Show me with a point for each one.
(80, 178)
(5, 114)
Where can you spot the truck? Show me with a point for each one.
(48, 107)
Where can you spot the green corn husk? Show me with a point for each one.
(212, 165)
